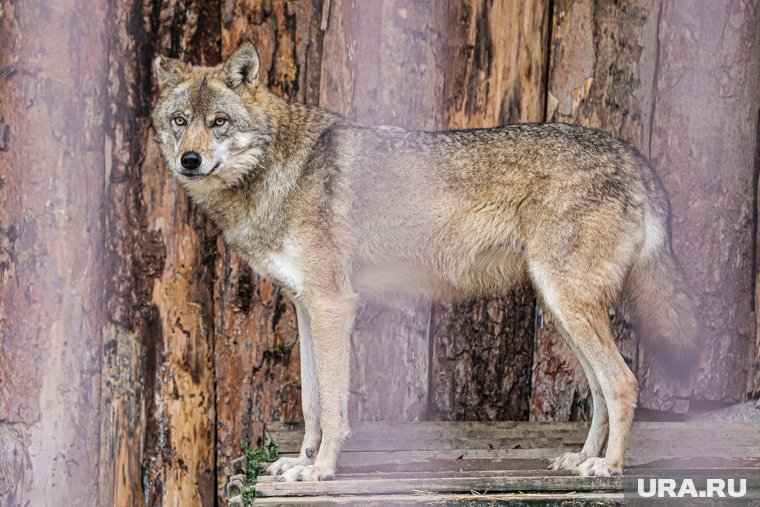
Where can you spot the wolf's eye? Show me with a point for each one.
(219, 122)
(180, 121)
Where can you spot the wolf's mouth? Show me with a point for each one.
(195, 176)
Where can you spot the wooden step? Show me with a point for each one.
(494, 463)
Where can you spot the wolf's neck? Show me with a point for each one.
(254, 214)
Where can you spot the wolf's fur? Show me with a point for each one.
(331, 209)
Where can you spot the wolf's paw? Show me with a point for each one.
(568, 461)
(308, 473)
(282, 465)
(598, 467)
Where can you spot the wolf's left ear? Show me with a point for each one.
(169, 71)
(242, 67)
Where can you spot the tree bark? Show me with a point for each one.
(52, 109)
(622, 68)
(138, 349)
(157, 433)
(703, 142)
(600, 75)
(373, 51)
(482, 350)
(257, 352)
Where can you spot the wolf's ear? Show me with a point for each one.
(242, 67)
(169, 71)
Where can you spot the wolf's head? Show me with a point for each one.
(208, 122)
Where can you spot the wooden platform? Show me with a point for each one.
(487, 463)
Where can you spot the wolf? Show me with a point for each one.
(332, 209)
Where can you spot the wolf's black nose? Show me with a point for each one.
(190, 160)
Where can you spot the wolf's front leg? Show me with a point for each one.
(309, 398)
(332, 319)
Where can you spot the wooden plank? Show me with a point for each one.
(711, 183)
(423, 498)
(478, 435)
(523, 484)
(382, 427)
(257, 353)
(429, 474)
(525, 465)
(54, 268)
(601, 67)
(535, 459)
(494, 67)
(372, 50)
(633, 456)
(172, 282)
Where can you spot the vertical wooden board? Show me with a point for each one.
(482, 350)
(481, 359)
(381, 66)
(52, 109)
(495, 62)
(132, 339)
(703, 142)
(157, 433)
(257, 357)
(754, 380)
(559, 389)
(601, 74)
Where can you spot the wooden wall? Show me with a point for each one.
(138, 350)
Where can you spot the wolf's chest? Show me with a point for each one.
(282, 265)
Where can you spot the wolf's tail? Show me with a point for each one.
(663, 309)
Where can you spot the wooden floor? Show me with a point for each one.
(490, 463)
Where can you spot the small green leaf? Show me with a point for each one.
(266, 453)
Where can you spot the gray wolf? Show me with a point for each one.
(332, 209)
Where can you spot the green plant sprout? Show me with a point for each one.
(255, 456)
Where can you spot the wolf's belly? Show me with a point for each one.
(441, 275)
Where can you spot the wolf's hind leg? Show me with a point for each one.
(597, 434)
(331, 319)
(620, 389)
(581, 310)
(590, 332)
(309, 399)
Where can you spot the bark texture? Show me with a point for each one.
(668, 78)
(601, 73)
(157, 430)
(52, 104)
(703, 141)
(257, 353)
(494, 74)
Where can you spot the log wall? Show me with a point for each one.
(138, 350)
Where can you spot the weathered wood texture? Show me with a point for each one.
(602, 63)
(257, 355)
(427, 460)
(157, 431)
(137, 349)
(373, 51)
(621, 67)
(494, 74)
(754, 381)
(52, 109)
(703, 142)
